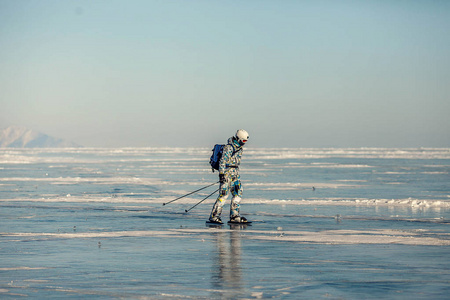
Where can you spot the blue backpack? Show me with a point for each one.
(217, 151)
(216, 156)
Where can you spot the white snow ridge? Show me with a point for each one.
(22, 137)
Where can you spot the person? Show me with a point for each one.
(230, 180)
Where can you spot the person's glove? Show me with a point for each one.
(222, 178)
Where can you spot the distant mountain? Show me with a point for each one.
(21, 137)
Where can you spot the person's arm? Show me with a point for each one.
(226, 155)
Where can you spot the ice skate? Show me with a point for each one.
(239, 220)
(215, 220)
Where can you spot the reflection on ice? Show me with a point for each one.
(226, 269)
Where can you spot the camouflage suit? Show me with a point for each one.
(229, 167)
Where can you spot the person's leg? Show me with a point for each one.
(236, 191)
(218, 205)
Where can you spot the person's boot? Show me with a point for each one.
(216, 211)
(215, 219)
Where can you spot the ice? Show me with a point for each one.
(20, 268)
(327, 223)
(385, 153)
(321, 237)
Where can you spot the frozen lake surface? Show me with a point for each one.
(328, 223)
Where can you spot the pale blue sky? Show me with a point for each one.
(189, 73)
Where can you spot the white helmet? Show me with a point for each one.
(241, 136)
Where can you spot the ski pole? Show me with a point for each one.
(191, 193)
(187, 210)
